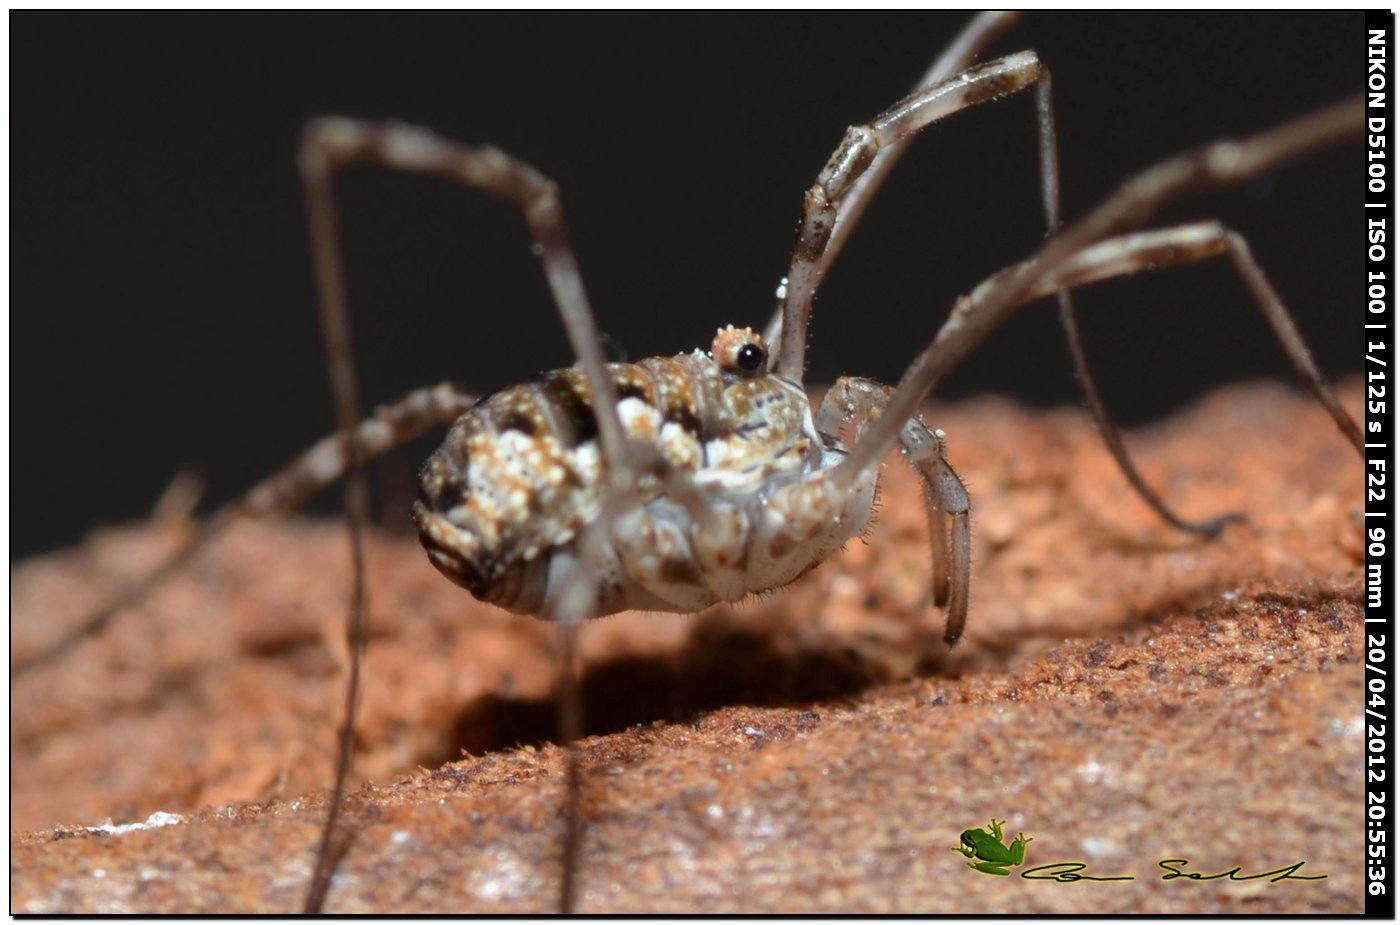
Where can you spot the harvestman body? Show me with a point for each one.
(738, 498)
(675, 483)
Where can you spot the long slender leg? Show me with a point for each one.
(1199, 241)
(844, 206)
(1176, 246)
(945, 498)
(1219, 164)
(331, 144)
(336, 336)
(975, 37)
(569, 702)
(282, 492)
(569, 718)
(853, 157)
(1050, 202)
(345, 456)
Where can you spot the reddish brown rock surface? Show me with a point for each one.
(1124, 694)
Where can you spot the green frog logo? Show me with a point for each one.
(988, 854)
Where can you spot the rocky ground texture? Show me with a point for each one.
(1125, 694)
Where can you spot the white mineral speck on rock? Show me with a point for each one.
(153, 821)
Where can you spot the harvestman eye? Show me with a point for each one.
(751, 358)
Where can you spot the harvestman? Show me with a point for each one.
(676, 483)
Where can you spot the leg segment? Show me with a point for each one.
(853, 159)
(945, 496)
(1185, 244)
(1168, 247)
(284, 491)
(844, 197)
(331, 144)
(974, 317)
(976, 36)
(1050, 202)
(327, 461)
(864, 400)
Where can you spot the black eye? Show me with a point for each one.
(751, 357)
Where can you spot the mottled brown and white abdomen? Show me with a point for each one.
(505, 498)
